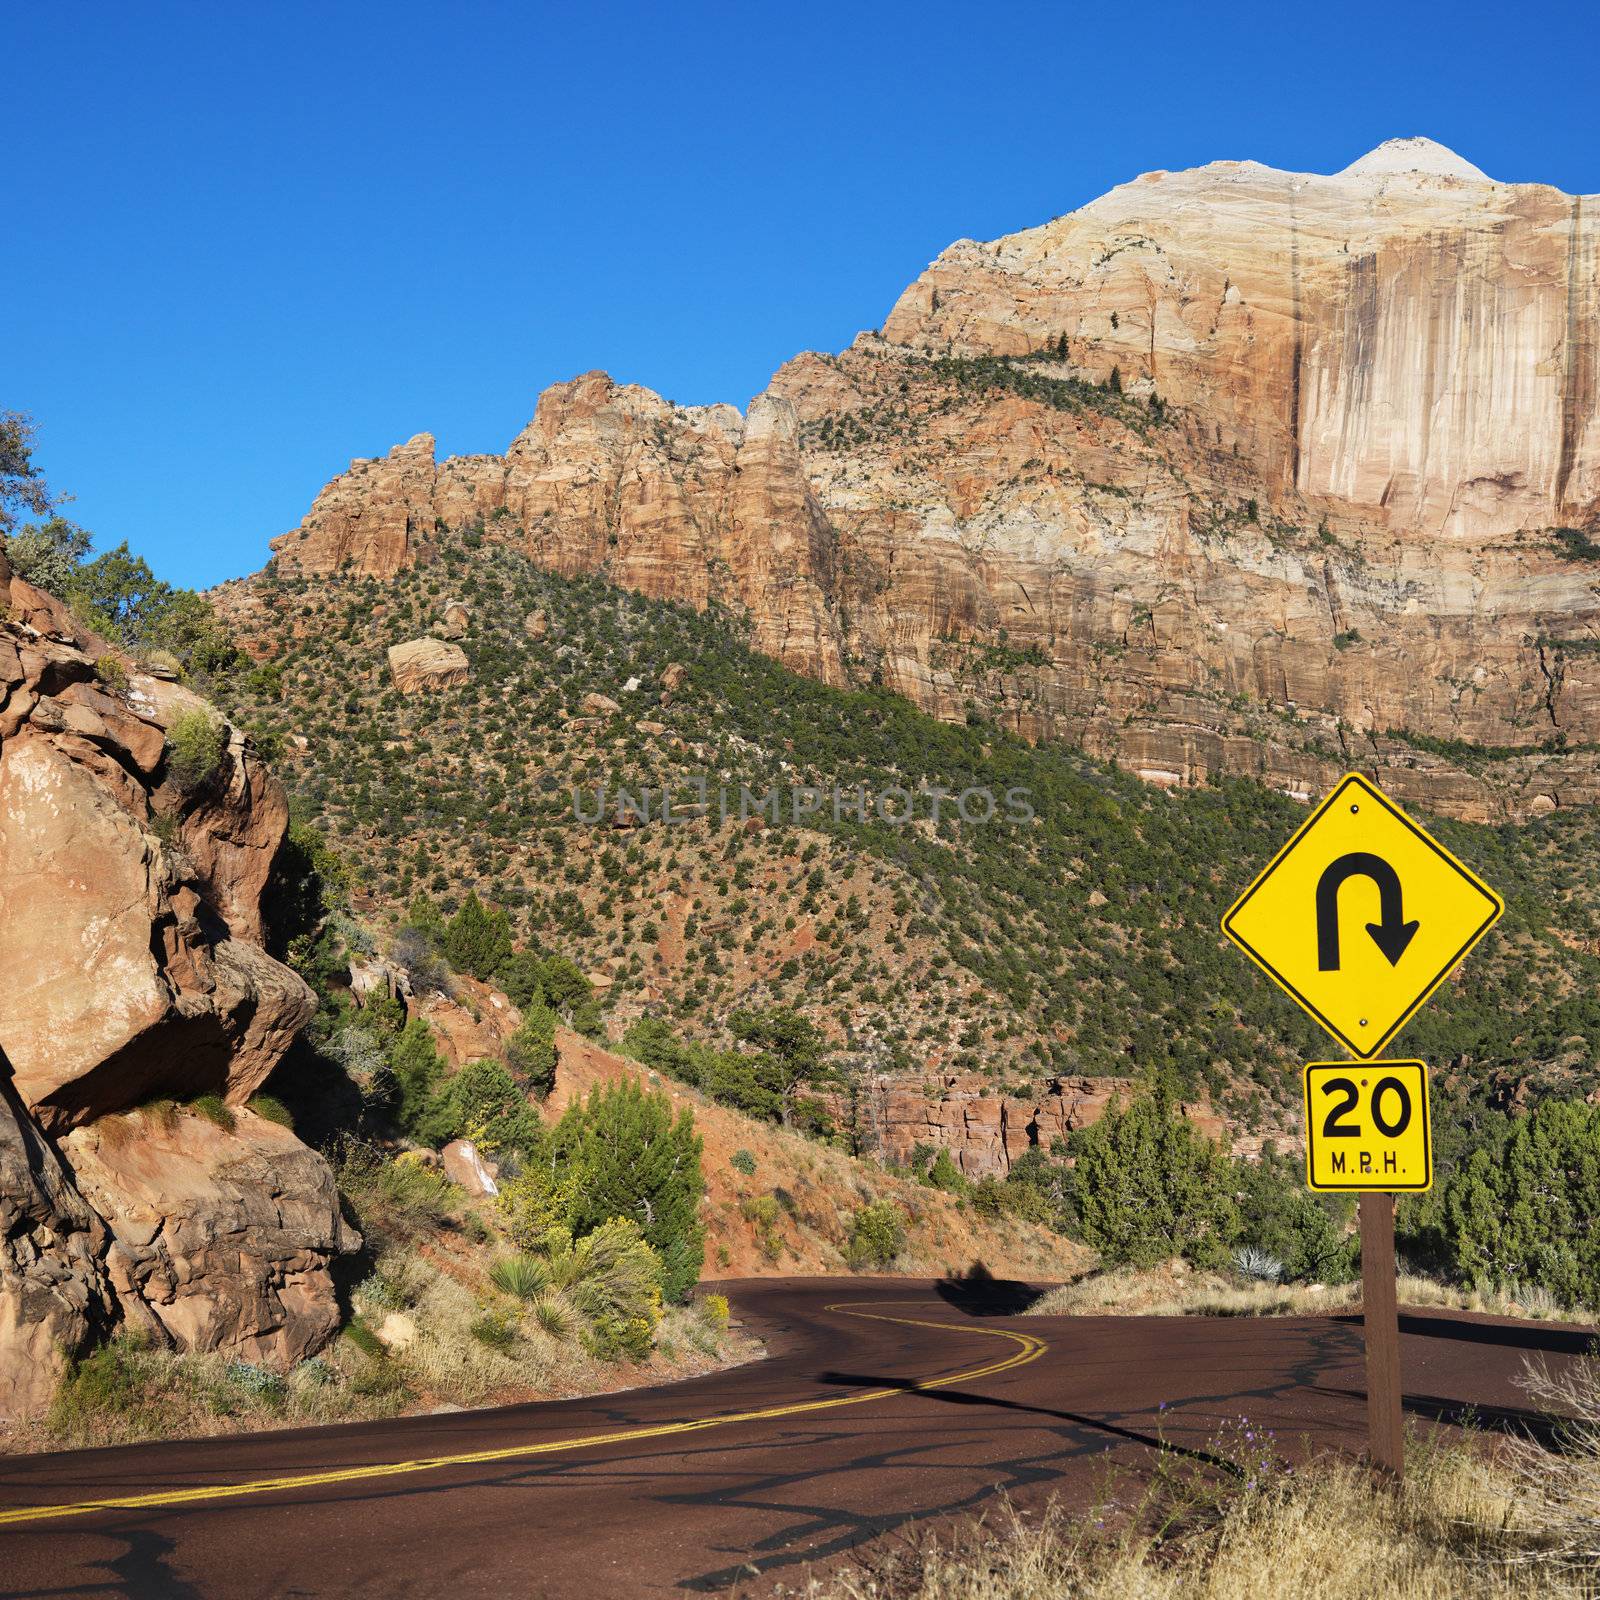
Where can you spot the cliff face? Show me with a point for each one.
(1232, 470)
(131, 973)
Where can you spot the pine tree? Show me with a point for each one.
(640, 1164)
(417, 1070)
(477, 940)
(531, 1050)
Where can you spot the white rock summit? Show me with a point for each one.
(1419, 155)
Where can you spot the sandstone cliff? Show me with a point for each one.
(1231, 470)
(131, 972)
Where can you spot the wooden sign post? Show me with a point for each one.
(1381, 1321)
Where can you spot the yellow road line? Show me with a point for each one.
(1031, 1348)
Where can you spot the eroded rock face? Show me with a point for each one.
(1309, 531)
(423, 664)
(54, 1295)
(130, 910)
(223, 1238)
(985, 1132)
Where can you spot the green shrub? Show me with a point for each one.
(476, 939)
(1279, 1217)
(715, 1309)
(111, 672)
(877, 1235)
(393, 1198)
(270, 1109)
(531, 1050)
(1151, 1186)
(495, 1329)
(537, 1202)
(108, 1390)
(614, 1280)
(214, 1109)
(195, 746)
(945, 1174)
(743, 1161)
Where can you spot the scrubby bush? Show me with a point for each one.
(743, 1161)
(108, 1390)
(1309, 1235)
(393, 1198)
(195, 746)
(476, 939)
(613, 1278)
(877, 1235)
(480, 1102)
(537, 1202)
(531, 1050)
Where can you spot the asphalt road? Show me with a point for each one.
(883, 1401)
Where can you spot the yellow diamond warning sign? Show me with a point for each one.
(1361, 916)
(1367, 1125)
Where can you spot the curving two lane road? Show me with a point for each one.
(882, 1401)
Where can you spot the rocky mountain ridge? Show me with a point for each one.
(1231, 470)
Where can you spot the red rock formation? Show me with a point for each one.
(130, 908)
(986, 1132)
(1310, 532)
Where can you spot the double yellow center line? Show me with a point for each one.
(1029, 1349)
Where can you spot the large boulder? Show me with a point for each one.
(131, 969)
(422, 664)
(117, 980)
(223, 1236)
(53, 1290)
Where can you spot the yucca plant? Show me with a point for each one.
(552, 1316)
(523, 1277)
(1254, 1263)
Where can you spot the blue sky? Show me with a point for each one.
(247, 244)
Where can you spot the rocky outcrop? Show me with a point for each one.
(130, 971)
(1232, 470)
(471, 1024)
(693, 503)
(891, 1116)
(420, 665)
(1406, 336)
(222, 1236)
(54, 1295)
(465, 1167)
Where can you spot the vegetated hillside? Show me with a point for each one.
(777, 1202)
(1082, 941)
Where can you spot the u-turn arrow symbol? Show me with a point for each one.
(1391, 935)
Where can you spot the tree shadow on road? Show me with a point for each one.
(957, 1397)
(1556, 1341)
(978, 1293)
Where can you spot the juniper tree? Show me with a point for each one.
(641, 1163)
(1151, 1186)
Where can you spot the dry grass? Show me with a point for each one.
(1173, 1290)
(1459, 1530)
